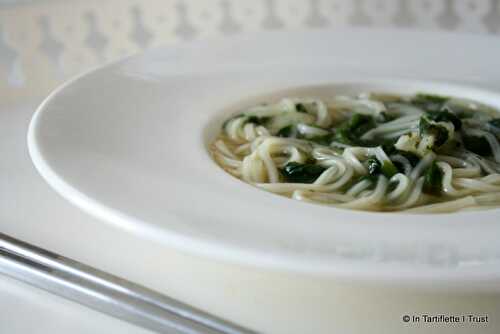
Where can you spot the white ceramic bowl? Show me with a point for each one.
(128, 144)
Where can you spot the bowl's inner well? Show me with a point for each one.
(356, 175)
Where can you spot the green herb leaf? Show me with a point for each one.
(342, 136)
(258, 120)
(433, 180)
(351, 130)
(359, 124)
(295, 172)
(429, 102)
(300, 108)
(388, 146)
(399, 166)
(440, 133)
(459, 109)
(286, 132)
(445, 116)
(388, 169)
(374, 166)
(478, 145)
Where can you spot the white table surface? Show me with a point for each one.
(27, 210)
(24, 309)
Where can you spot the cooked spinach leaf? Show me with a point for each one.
(429, 102)
(433, 180)
(351, 130)
(360, 123)
(295, 172)
(399, 166)
(258, 120)
(300, 108)
(388, 146)
(287, 131)
(459, 110)
(478, 145)
(439, 132)
(373, 165)
(388, 169)
(445, 116)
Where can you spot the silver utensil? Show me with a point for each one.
(105, 292)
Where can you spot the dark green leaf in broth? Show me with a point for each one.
(388, 169)
(388, 146)
(287, 131)
(478, 145)
(445, 116)
(374, 167)
(351, 130)
(433, 180)
(429, 102)
(439, 132)
(258, 120)
(300, 108)
(295, 172)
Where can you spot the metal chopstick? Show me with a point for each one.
(105, 292)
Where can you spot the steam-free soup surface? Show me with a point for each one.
(379, 152)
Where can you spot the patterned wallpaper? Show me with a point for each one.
(46, 41)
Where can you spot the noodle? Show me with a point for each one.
(420, 154)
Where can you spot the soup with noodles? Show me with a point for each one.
(379, 152)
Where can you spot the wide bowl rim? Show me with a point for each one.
(183, 243)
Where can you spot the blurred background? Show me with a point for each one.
(44, 42)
